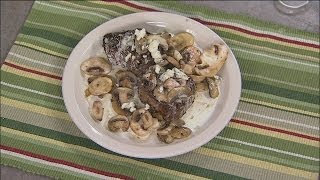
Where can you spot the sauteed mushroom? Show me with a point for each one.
(212, 60)
(100, 85)
(213, 87)
(180, 132)
(165, 138)
(95, 66)
(126, 79)
(142, 123)
(197, 79)
(178, 91)
(120, 96)
(181, 40)
(96, 111)
(118, 123)
(170, 83)
(160, 94)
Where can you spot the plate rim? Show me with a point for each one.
(132, 150)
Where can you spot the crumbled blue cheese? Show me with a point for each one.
(155, 53)
(133, 57)
(147, 107)
(157, 69)
(129, 105)
(144, 56)
(177, 55)
(179, 74)
(161, 89)
(166, 75)
(140, 33)
(127, 57)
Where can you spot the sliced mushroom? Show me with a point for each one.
(202, 87)
(160, 94)
(213, 87)
(162, 41)
(191, 55)
(178, 92)
(126, 79)
(165, 138)
(197, 79)
(149, 80)
(178, 122)
(101, 85)
(165, 129)
(170, 83)
(96, 111)
(212, 60)
(118, 123)
(173, 61)
(187, 68)
(180, 132)
(121, 95)
(181, 40)
(87, 92)
(95, 66)
(142, 123)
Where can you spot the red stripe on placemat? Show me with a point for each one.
(67, 163)
(275, 129)
(228, 26)
(32, 71)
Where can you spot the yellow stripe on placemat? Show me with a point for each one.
(42, 49)
(273, 134)
(34, 108)
(256, 163)
(280, 107)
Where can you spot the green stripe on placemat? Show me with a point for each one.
(274, 133)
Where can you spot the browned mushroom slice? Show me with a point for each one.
(197, 79)
(142, 123)
(149, 80)
(180, 132)
(160, 94)
(121, 95)
(101, 85)
(187, 68)
(213, 87)
(181, 40)
(95, 66)
(212, 60)
(191, 55)
(173, 61)
(96, 111)
(165, 128)
(178, 122)
(178, 92)
(126, 79)
(165, 138)
(171, 83)
(202, 87)
(118, 123)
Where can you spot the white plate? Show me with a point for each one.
(214, 121)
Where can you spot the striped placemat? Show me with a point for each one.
(274, 133)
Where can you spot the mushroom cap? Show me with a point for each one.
(175, 93)
(212, 60)
(213, 87)
(117, 123)
(121, 95)
(197, 79)
(181, 40)
(180, 132)
(95, 66)
(100, 86)
(126, 79)
(96, 111)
